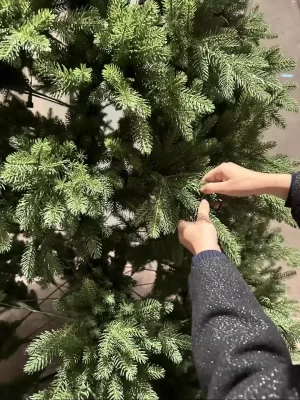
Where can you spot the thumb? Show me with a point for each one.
(203, 210)
(218, 187)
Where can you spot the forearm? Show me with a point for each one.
(285, 186)
(237, 349)
(276, 184)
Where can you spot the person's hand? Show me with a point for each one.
(232, 180)
(200, 235)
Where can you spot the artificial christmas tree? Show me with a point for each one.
(195, 89)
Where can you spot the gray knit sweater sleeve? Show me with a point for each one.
(238, 351)
(293, 200)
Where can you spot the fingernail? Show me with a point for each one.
(216, 205)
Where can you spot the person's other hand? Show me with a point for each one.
(232, 180)
(200, 235)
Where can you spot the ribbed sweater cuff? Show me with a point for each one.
(208, 255)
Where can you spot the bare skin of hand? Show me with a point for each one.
(232, 180)
(200, 235)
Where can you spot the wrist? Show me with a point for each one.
(278, 185)
(201, 249)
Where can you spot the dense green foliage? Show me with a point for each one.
(195, 89)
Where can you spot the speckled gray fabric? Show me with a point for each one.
(293, 199)
(238, 351)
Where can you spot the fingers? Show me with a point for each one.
(201, 235)
(216, 205)
(203, 214)
(219, 188)
(215, 175)
(203, 210)
(182, 224)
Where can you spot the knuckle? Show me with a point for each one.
(203, 218)
(225, 165)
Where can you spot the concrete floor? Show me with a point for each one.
(284, 17)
